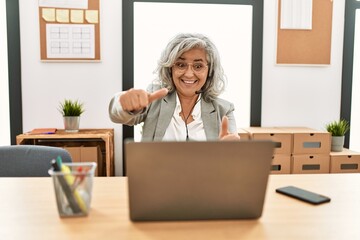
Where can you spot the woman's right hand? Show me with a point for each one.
(138, 99)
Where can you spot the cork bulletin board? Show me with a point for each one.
(69, 30)
(313, 46)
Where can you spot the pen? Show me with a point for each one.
(69, 181)
(78, 179)
(66, 188)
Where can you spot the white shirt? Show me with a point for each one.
(176, 131)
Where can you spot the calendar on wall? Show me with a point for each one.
(69, 30)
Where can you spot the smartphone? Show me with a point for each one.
(303, 195)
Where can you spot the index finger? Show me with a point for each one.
(158, 94)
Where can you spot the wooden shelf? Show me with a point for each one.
(104, 138)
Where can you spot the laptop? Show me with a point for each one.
(197, 180)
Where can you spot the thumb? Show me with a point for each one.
(224, 127)
(158, 94)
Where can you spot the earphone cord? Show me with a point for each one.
(186, 119)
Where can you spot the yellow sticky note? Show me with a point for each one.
(48, 14)
(77, 16)
(62, 15)
(92, 16)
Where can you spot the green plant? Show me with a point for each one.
(338, 128)
(71, 108)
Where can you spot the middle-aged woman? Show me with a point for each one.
(184, 105)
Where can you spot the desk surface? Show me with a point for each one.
(28, 211)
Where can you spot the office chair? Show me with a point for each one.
(29, 160)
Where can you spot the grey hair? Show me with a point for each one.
(215, 82)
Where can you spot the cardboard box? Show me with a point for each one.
(281, 164)
(309, 141)
(282, 139)
(244, 135)
(310, 163)
(346, 161)
(87, 154)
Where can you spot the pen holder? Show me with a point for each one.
(73, 188)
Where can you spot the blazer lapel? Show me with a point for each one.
(210, 120)
(167, 108)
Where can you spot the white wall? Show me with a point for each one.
(235, 51)
(292, 95)
(297, 95)
(4, 80)
(44, 85)
(355, 95)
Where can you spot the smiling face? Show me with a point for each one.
(192, 77)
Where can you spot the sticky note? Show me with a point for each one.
(48, 14)
(62, 15)
(92, 16)
(77, 16)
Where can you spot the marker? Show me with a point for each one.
(65, 187)
(69, 181)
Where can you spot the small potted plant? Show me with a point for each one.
(71, 111)
(338, 129)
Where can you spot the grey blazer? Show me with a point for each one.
(158, 114)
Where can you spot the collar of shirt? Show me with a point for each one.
(177, 129)
(196, 112)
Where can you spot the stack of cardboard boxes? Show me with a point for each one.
(282, 151)
(310, 150)
(297, 150)
(244, 135)
(301, 150)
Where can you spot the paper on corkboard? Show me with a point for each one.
(69, 32)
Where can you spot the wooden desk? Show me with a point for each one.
(87, 137)
(28, 211)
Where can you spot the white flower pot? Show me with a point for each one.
(71, 124)
(337, 143)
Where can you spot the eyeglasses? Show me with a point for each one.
(197, 67)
